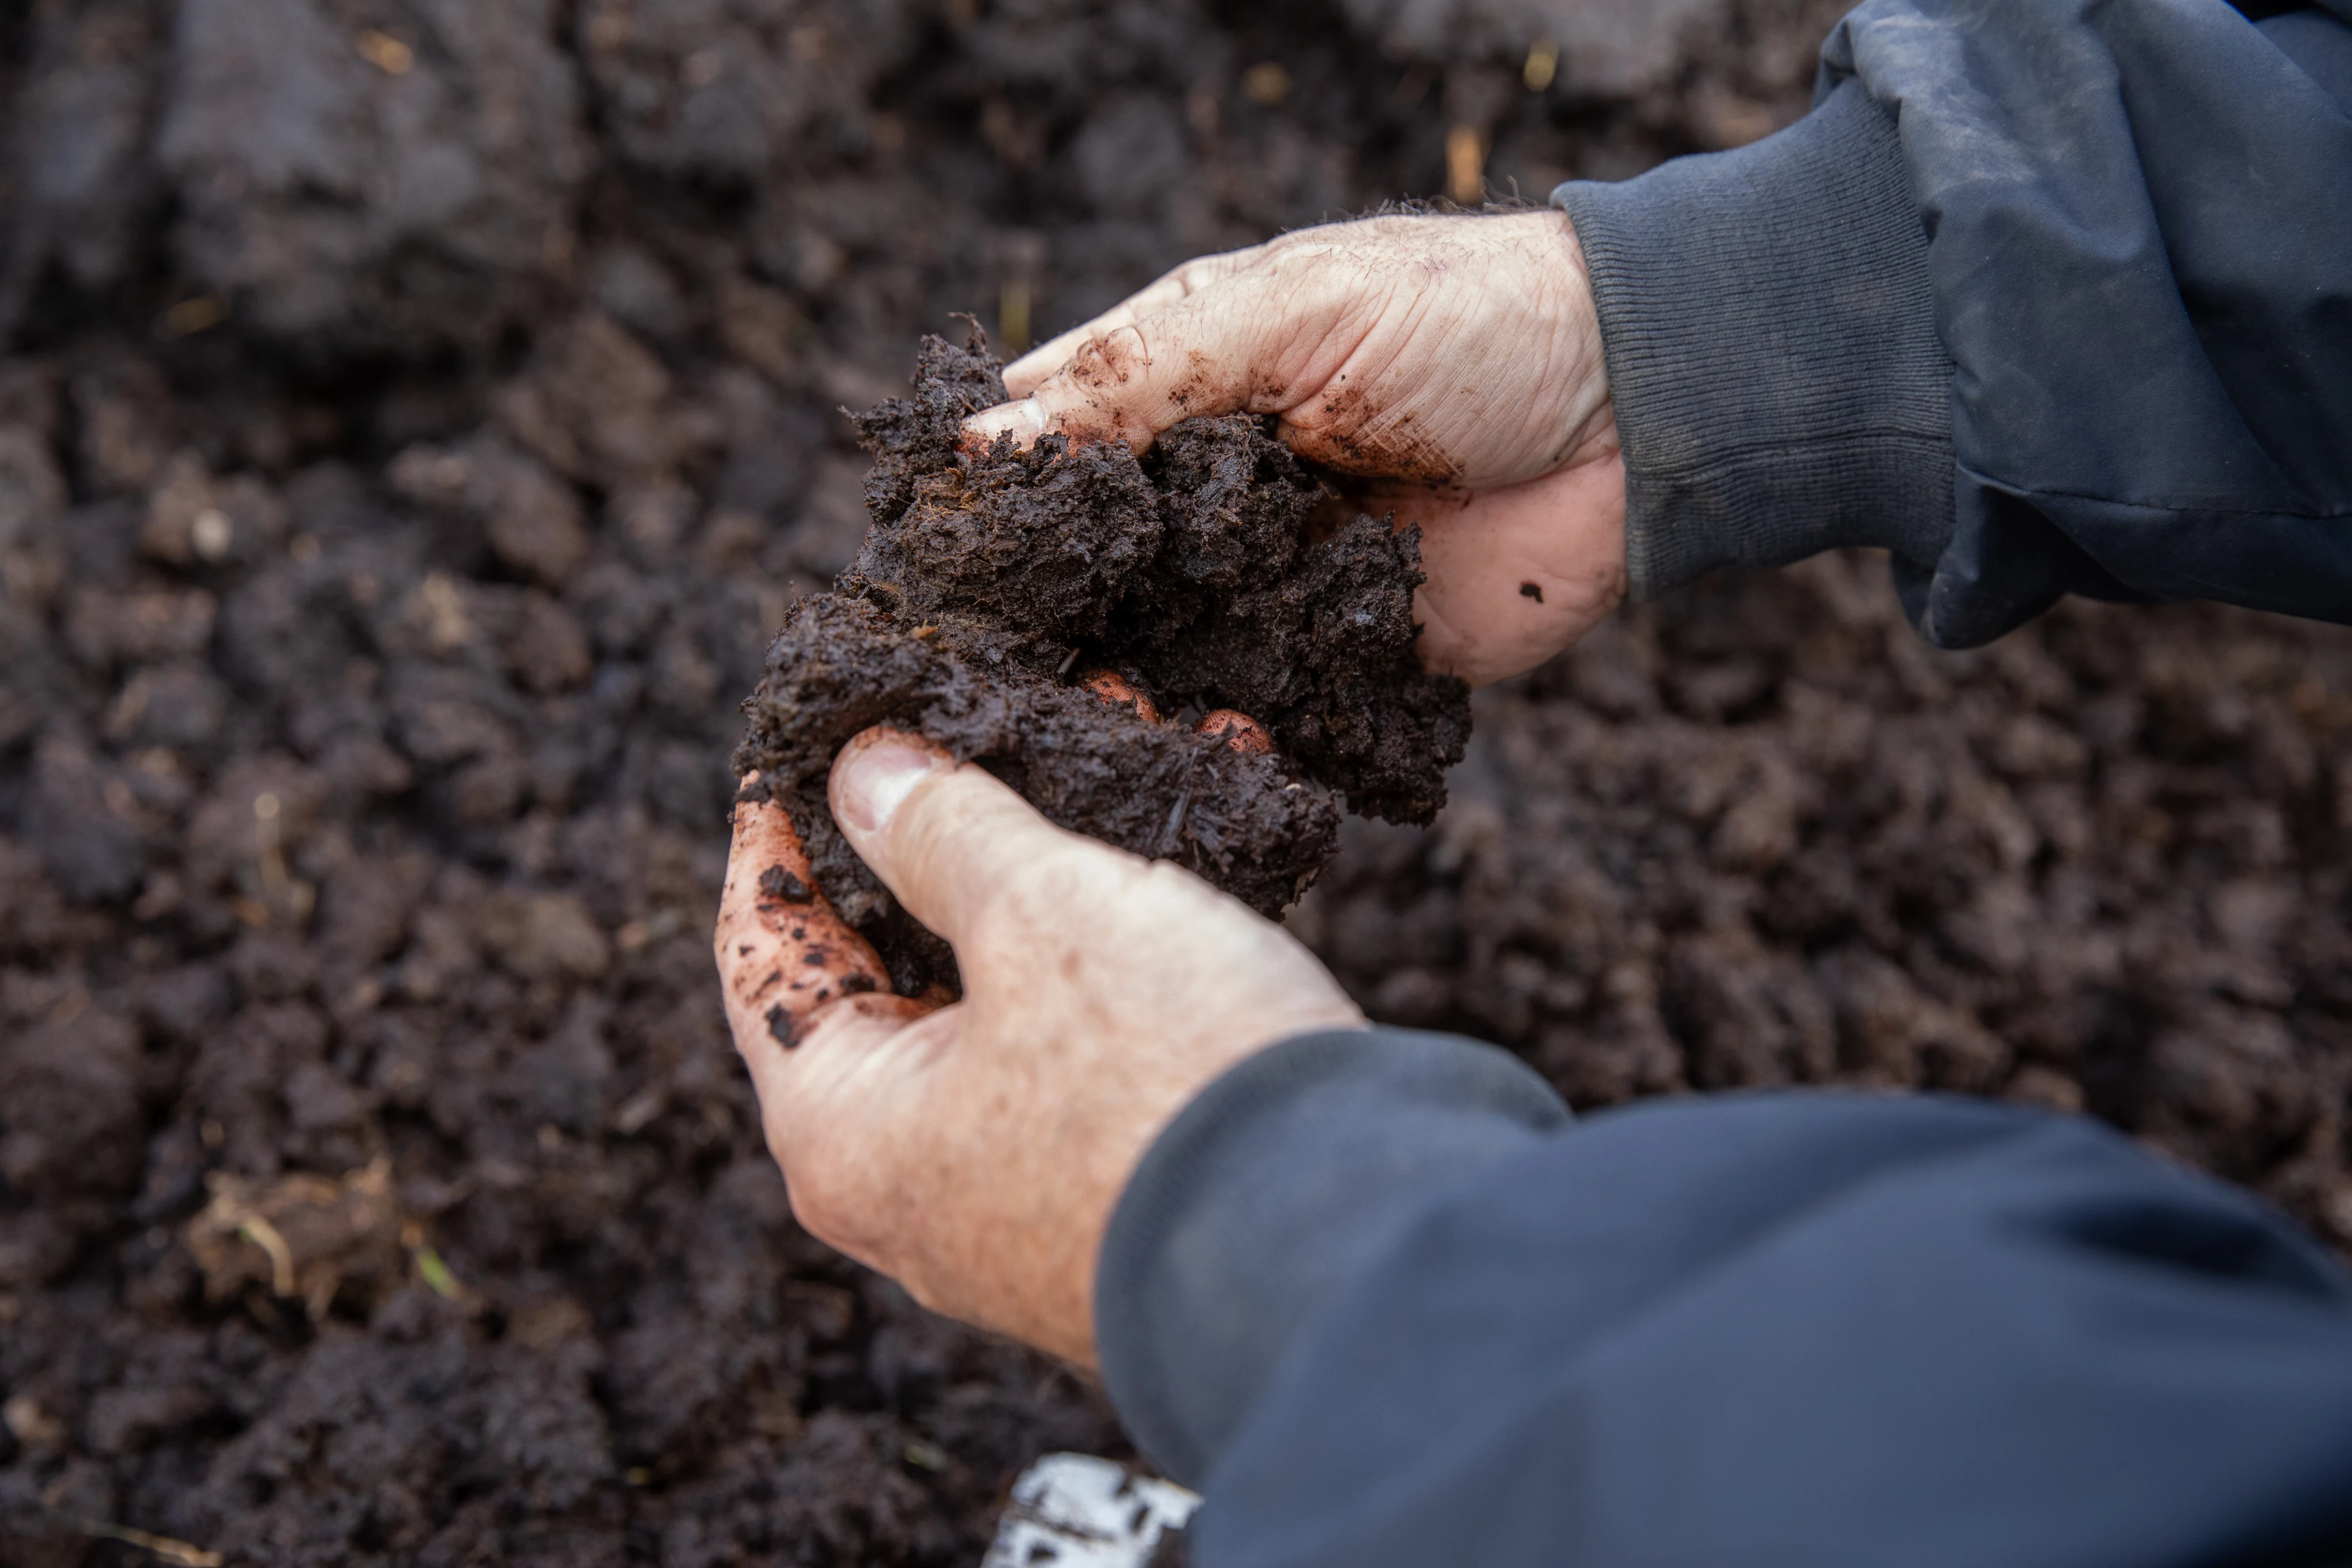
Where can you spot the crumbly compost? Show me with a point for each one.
(994, 584)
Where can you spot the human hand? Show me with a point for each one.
(1451, 363)
(974, 1152)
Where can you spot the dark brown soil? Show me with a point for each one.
(1761, 834)
(992, 587)
(401, 473)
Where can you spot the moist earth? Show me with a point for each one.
(994, 587)
(415, 421)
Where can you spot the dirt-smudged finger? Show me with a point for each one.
(784, 955)
(1247, 342)
(1025, 421)
(1048, 359)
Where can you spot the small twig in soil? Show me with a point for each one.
(265, 1236)
(174, 1552)
(1175, 832)
(436, 1275)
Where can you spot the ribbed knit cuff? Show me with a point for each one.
(1281, 1181)
(1770, 336)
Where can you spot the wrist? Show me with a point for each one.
(1590, 430)
(1772, 359)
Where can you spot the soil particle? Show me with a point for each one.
(775, 882)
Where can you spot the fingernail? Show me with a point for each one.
(1025, 421)
(872, 781)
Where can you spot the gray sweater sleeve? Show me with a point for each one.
(1770, 336)
(2045, 297)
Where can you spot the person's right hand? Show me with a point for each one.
(1452, 364)
(975, 1152)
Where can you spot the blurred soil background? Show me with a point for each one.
(415, 415)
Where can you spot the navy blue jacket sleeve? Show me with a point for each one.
(1379, 1295)
(2045, 297)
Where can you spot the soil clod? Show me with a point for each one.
(1183, 576)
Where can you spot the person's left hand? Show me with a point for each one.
(974, 1152)
(1451, 366)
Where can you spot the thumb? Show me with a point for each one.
(946, 838)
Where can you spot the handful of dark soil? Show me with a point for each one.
(992, 588)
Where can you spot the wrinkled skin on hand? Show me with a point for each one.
(974, 1152)
(1450, 364)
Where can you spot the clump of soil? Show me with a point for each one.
(995, 584)
(304, 1238)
